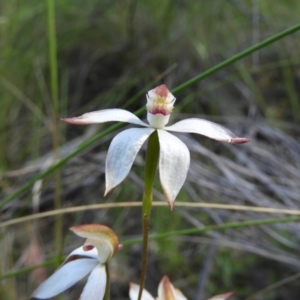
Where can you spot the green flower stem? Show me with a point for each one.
(150, 170)
(107, 288)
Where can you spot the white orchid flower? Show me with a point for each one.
(92, 258)
(166, 291)
(174, 156)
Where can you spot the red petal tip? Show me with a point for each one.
(162, 91)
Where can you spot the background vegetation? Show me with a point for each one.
(109, 53)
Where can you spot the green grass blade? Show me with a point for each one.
(201, 76)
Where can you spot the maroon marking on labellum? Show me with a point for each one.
(88, 247)
(161, 111)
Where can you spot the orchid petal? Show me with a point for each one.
(96, 284)
(134, 293)
(80, 252)
(64, 278)
(174, 161)
(121, 154)
(207, 128)
(222, 297)
(166, 291)
(106, 115)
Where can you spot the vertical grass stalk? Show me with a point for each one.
(55, 119)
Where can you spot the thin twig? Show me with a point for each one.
(51, 213)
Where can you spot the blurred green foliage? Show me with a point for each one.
(108, 51)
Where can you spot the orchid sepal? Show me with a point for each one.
(65, 277)
(174, 162)
(106, 115)
(208, 129)
(121, 155)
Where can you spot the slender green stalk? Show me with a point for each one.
(190, 82)
(107, 287)
(55, 119)
(150, 170)
(28, 269)
(213, 228)
(272, 287)
(132, 204)
(173, 234)
(52, 54)
(291, 92)
(237, 57)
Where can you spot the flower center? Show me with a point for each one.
(160, 104)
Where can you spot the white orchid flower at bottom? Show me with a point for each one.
(91, 258)
(174, 156)
(166, 291)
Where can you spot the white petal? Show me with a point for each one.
(179, 295)
(106, 115)
(222, 297)
(65, 277)
(207, 128)
(95, 286)
(93, 253)
(134, 292)
(174, 161)
(166, 290)
(121, 154)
